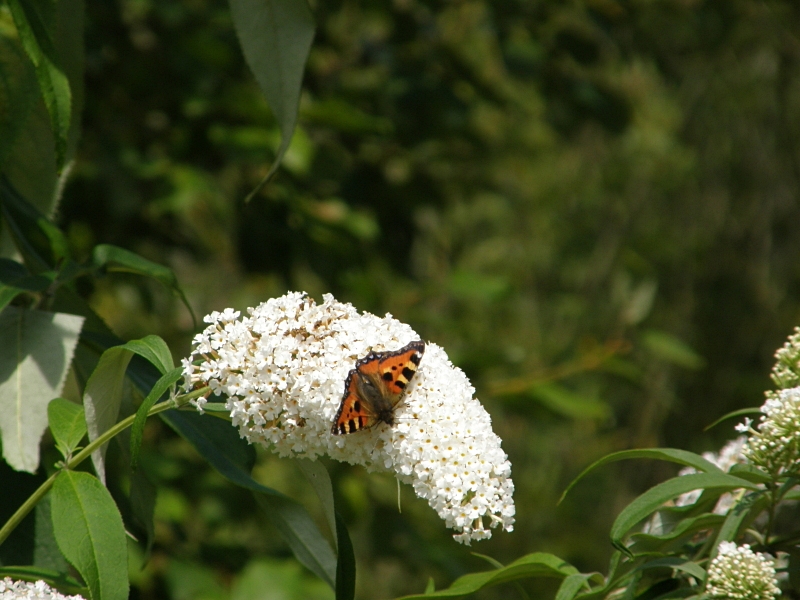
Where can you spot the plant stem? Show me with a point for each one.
(34, 499)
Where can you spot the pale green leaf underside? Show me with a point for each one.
(35, 355)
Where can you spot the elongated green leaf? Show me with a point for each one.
(14, 274)
(740, 515)
(219, 443)
(346, 563)
(114, 258)
(734, 414)
(682, 457)
(674, 562)
(102, 398)
(67, 423)
(655, 497)
(317, 475)
(89, 531)
(276, 37)
(23, 222)
(137, 429)
(46, 554)
(153, 349)
(53, 82)
(143, 504)
(571, 585)
(539, 564)
(34, 358)
(7, 294)
(683, 529)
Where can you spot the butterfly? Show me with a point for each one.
(373, 388)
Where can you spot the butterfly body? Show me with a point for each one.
(373, 389)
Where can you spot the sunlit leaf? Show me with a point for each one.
(655, 497)
(89, 531)
(682, 457)
(539, 564)
(35, 356)
(67, 423)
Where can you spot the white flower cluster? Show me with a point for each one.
(775, 445)
(729, 455)
(283, 368)
(25, 590)
(786, 372)
(741, 574)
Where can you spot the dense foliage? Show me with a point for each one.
(587, 204)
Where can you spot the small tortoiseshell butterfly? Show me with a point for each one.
(372, 390)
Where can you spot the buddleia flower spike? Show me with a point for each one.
(298, 378)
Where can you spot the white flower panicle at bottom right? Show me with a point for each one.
(739, 573)
(775, 444)
(283, 369)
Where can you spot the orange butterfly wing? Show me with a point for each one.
(373, 388)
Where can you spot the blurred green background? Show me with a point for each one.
(589, 204)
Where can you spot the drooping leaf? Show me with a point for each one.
(276, 36)
(90, 533)
(113, 258)
(53, 82)
(219, 443)
(143, 504)
(682, 457)
(153, 349)
(539, 564)
(23, 220)
(346, 563)
(67, 423)
(655, 497)
(34, 358)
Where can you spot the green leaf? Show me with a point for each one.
(682, 457)
(90, 534)
(669, 348)
(732, 415)
(143, 504)
(116, 259)
(346, 563)
(744, 511)
(571, 585)
(137, 429)
(46, 554)
(67, 423)
(674, 562)
(23, 221)
(674, 534)
(14, 274)
(539, 564)
(35, 356)
(53, 82)
(219, 443)
(102, 398)
(569, 404)
(655, 497)
(317, 475)
(153, 349)
(276, 36)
